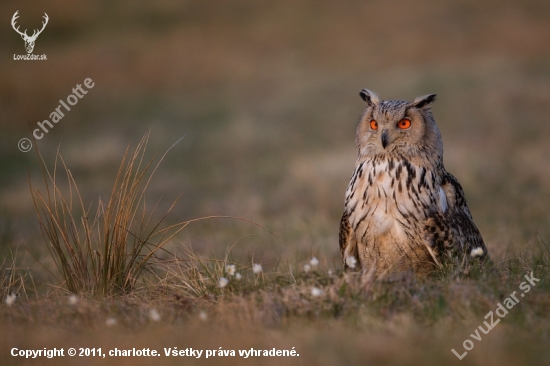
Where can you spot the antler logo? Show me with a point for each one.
(29, 40)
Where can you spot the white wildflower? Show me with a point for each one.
(477, 252)
(330, 272)
(154, 315)
(351, 261)
(238, 276)
(10, 299)
(230, 269)
(316, 292)
(110, 322)
(223, 282)
(307, 268)
(256, 268)
(72, 300)
(314, 262)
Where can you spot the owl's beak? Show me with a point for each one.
(384, 138)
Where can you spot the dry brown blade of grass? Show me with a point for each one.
(13, 280)
(118, 219)
(59, 223)
(97, 257)
(192, 276)
(184, 278)
(7, 279)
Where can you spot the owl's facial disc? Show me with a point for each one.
(397, 126)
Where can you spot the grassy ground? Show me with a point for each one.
(266, 95)
(328, 317)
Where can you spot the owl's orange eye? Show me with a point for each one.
(373, 125)
(404, 124)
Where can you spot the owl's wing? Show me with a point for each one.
(454, 229)
(348, 242)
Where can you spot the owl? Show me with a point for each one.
(403, 211)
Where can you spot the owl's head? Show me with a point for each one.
(397, 126)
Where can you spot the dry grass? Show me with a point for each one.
(348, 318)
(13, 279)
(103, 253)
(125, 288)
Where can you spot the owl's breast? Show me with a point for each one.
(391, 197)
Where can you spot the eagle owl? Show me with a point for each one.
(403, 210)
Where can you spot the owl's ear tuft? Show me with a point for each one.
(369, 97)
(424, 101)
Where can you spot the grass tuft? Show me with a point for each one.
(106, 252)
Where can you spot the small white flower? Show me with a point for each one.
(314, 262)
(10, 299)
(307, 268)
(330, 272)
(110, 322)
(203, 316)
(230, 269)
(256, 268)
(238, 276)
(477, 252)
(223, 282)
(351, 261)
(72, 300)
(154, 315)
(316, 292)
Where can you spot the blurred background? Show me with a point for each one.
(266, 94)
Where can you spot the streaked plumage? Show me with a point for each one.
(403, 210)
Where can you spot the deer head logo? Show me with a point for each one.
(29, 40)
